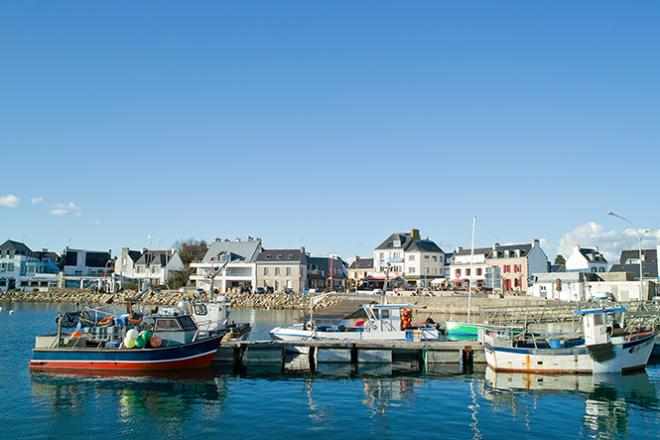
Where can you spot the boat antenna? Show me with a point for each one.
(469, 305)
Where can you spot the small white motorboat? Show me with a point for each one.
(384, 322)
(603, 348)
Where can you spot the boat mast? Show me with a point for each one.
(474, 228)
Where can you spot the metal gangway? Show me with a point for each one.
(639, 315)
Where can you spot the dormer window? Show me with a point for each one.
(397, 243)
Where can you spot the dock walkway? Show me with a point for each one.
(420, 353)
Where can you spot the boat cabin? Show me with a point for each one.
(174, 329)
(209, 316)
(386, 317)
(600, 324)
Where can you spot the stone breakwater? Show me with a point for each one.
(238, 300)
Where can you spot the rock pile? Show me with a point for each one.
(238, 300)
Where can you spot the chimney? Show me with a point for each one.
(536, 243)
(302, 249)
(415, 234)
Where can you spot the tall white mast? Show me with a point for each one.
(474, 230)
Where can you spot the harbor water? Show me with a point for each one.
(335, 402)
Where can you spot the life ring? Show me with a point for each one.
(105, 321)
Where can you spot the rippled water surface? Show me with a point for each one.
(336, 402)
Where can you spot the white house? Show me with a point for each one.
(582, 286)
(586, 260)
(240, 272)
(466, 266)
(409, 256)
(155, 266)
(125, 264)
(22, 268)
(82, 268)
(564, 286)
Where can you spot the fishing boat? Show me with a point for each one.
(602, 348)
(384, 322)
(124, 343)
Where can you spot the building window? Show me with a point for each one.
(411, 258)
(458, 273)
(479, 271)
(412, 270)
(467, 272)
(434, 258)
(277, 271)
(266, 271)
(426, 257)
(288, 271)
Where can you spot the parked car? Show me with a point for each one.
(260, 290)
(199, 291)
(378, 291)
(156, 290)
(602, 296)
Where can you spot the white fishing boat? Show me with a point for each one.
(603, 348)
(383, 322)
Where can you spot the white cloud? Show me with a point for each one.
(61, 209)
(37, 200)
(609, 241)
(9, 201)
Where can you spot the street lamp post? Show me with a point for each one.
(639, 239)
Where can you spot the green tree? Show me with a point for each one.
(560, 261)
(189, 250)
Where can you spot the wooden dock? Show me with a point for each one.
(311, 354)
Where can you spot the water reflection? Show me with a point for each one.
(171, 397)
(608, 397)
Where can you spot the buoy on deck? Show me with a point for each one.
(11, 312)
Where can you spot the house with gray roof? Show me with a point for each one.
(516, 264)
(282, 269)
(584, 259)
(469, 267)
(154, 267)
(125, 264)
(629, 263)
(228, 265)
(407, 255)
(359, 270)
(22, 268)
(327, 273)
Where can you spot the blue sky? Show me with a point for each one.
(330, 124)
